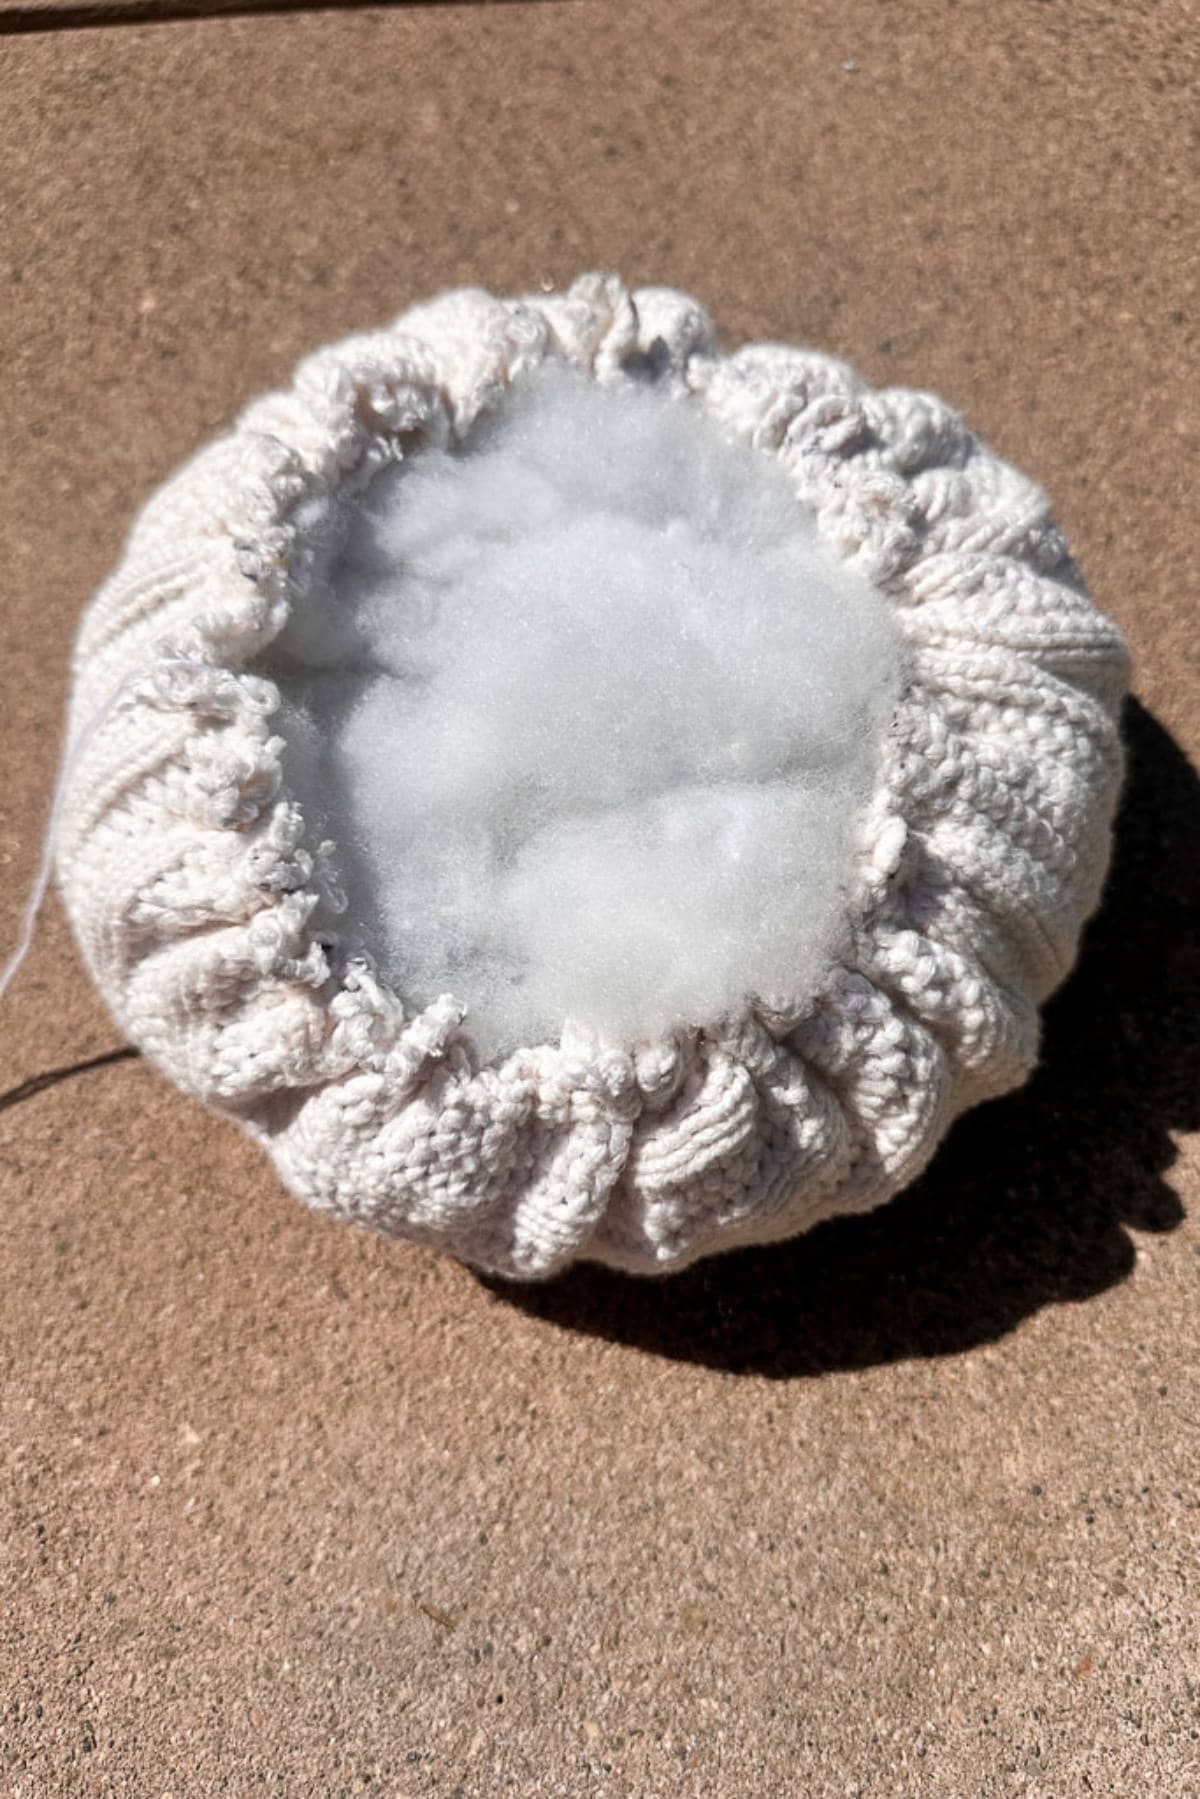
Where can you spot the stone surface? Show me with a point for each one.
(909, 1507)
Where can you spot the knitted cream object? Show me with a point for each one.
(190, 883)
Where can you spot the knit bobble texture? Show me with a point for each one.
(194, 886)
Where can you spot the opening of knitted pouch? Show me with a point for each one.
(591, 714)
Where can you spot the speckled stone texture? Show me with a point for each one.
(909, 1508)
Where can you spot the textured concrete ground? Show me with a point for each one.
(908, 1508)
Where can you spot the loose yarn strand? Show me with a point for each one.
(66, 768)
(33, 906)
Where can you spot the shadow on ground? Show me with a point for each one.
(1028, 1202)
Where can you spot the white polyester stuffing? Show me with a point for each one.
(591, 714)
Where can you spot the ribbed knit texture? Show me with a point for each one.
(191, 883)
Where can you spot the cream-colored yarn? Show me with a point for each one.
(190, 883)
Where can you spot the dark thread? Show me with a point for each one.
(38, 1083)
(102, 14)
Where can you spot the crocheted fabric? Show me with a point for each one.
(191, 885)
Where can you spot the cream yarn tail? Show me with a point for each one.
(192, 886)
